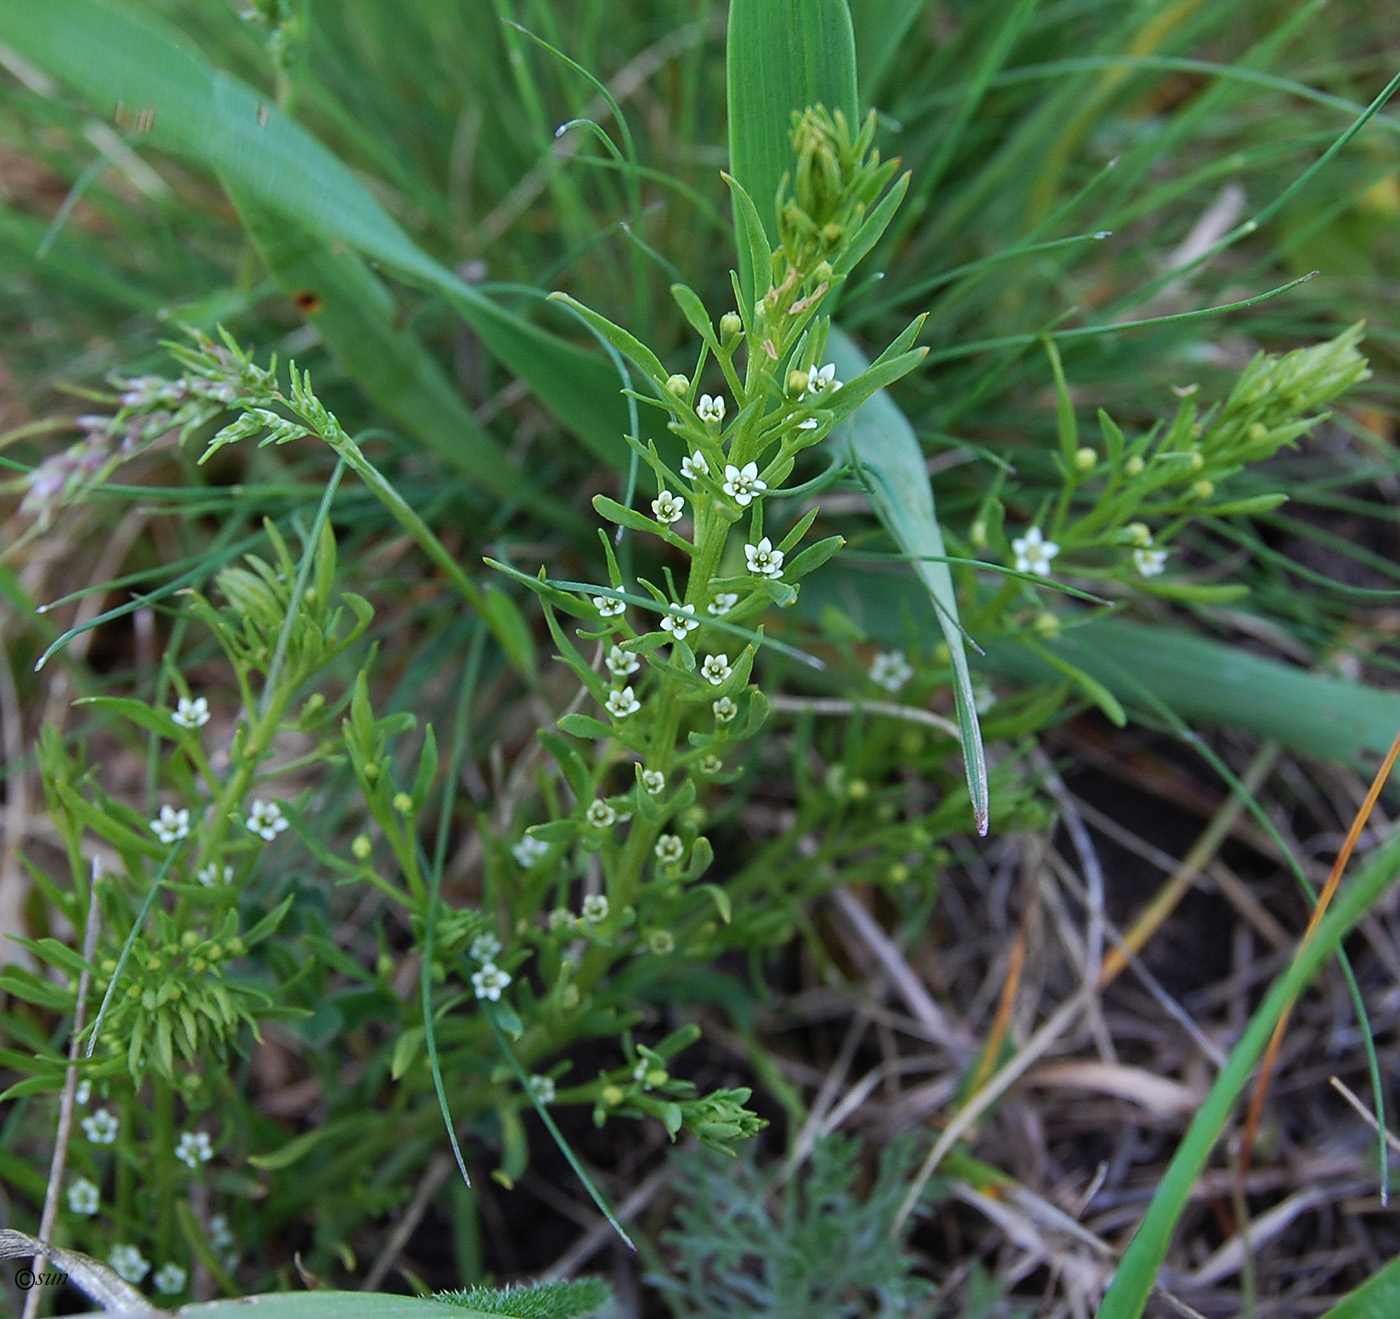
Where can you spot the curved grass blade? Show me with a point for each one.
(1377, 1298)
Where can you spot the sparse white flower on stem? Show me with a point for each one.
(694, 466)
(191, 713)
(83, 1197)
(265, 819)
(194, 1148)
(890, 670)
(595, 908)
(680, 622)
(742, 484)
(484, 948)
(764, 560)
(170, 1278)
(542, 1087)
(529, 850)
(710, 764)
(561, 919)
(622, 703)
(171, 825)
(716, 669)
(83, 1093)
(724, 709)
(668, 507)
(600, 814)
(622, 662)
(669, 848)
(653, 780)
(129, 1262)
(1033, 552)
(723, 602)
(711, 408)
(489, 981)
(101, 1128)
(821, 380)
(1150, 562)
(608, 607)
(210, 875)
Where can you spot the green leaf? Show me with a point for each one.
(138, 713)
(1377, 1298)
(583, 725)
(543, 1300)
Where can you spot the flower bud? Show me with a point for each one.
(1086, 459)
(1134, 466)
(1047, 624)
(361, 847)
(796, 383)
(730, 326)
(1203, 489)
(677, 385)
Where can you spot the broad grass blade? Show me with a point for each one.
(117, 59)
(1377, 1298)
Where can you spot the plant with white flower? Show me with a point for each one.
(170, 1279)
(742, 484)
(600, 814)
(83, 1092)
(213, 874)
(485, 948)
(595, 908)
(490, 981)
(1034, 553)
(653, 780)
(764, 560)
(622, 663)
(622, 703)
(716, 669)
(1150, 563)
(542, 1087)
(695, 466)
(529, 850)
(724, 709)
(265, 819)
(723, 602)
(890, 670)
(171, 825)
(101, 1128)
(669, 849)
(680, 622)
(194, 1148)
(129, 1262)
(668, 507)
(821, 380)
(191, 713)
(609, 607)
(711, 408)
(83, 1197)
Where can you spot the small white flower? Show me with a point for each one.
(220, 1235)
(600, 814)
(668, 507)
(710, 764)
(83, 1093)
(171, 825)
(543, 1088)
(101, 1128)
(265, 819)
(681, 622)
(1150, 562)
(741, 485)
(562, 919)
(484, 948)
(694, 466)
(716, 669)
(890, 670)
(595, 908)
(661, 942)
(608, 607)
(653, 780)
(711, 408)
(489, 981)
(129, 1262)
(191, 713)
(724, 709)
(622, 662)
(1033, 552)
(170, 1279)
(669, 848)
(83, 1197)
(723, 602)
(764, 560)
(209, 875)
(821, 380)
(621, 704)
(529, 850)
(194, 1148)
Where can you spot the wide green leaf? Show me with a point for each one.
(1377, 1298)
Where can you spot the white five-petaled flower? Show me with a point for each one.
(716, 669)
(711, 408)
(764, 560)
(724, 709)
(101, 1128)
(191, 713)
(529, 850)
(129, 1262)
(680, 621)
(890, 670)
(170, 1278)
(542, 1087)
(171, 825)
(1033, 552)
(723, 602)
(669, 848)
(489, 981)
(821, 380)
(209, 875)
(694, 466)
(265, 819)
(600, 814)
(622, 703)
(1150, 562)
(484, 948)
(653, 780)
(622, 662)
(741, 485)
(194, 1148)
(595, 908)
(83, 1197)
(608, 607)
(668, 507)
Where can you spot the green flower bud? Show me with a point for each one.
(678, 385)
(1134, 466)
(403, 803)
(361, 847)
(730, 326)
(1086, 459)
